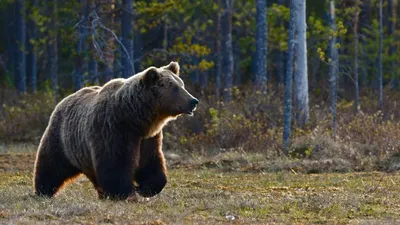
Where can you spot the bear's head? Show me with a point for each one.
(168, 88)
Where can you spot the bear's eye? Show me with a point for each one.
(176, 89)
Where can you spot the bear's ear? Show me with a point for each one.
(151, 76)
(173, 67)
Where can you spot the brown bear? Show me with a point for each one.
(113, 135)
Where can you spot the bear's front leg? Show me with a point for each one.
(114, 169)
(151, 174)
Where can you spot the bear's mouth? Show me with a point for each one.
(191, 107)
(190, 112)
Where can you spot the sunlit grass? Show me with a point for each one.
(212, 195)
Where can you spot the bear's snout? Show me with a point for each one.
(192, 105)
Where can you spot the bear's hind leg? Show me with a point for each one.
(52, 170)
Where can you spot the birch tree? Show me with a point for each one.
(288, 79)
(301, 74)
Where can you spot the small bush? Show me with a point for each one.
(26, 118)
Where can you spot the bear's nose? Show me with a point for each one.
(194, 103)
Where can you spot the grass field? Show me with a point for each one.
(208, 195)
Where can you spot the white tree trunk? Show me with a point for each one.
(301, 75)
(288, 80)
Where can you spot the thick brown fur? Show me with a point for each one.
(113, 135)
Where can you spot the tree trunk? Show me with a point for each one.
(81, 49)
(31, 69)
(316, 64)
(165, 41)
(117, 64)
(138, 50)
(218, 52)
(20, 61)
(333, 67)
(52, 46)
(237, 78)
(392, 29)
(288, 80)
(108, 70)
(365, 9)
(93, 65)
(11, 45)
(261, 46)
(281, 54)
(127, 39)
(228, 54)
(301, 75)
(117, 67)
(355, 34)
(380, 75)
(281, 67)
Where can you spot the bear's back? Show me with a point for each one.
(81, 104)
(81, 98)
(112, 86)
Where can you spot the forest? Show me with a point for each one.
(286, 87)
(272, 76)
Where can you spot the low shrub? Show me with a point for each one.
(25, 118)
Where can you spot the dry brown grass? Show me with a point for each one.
(210, 191)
